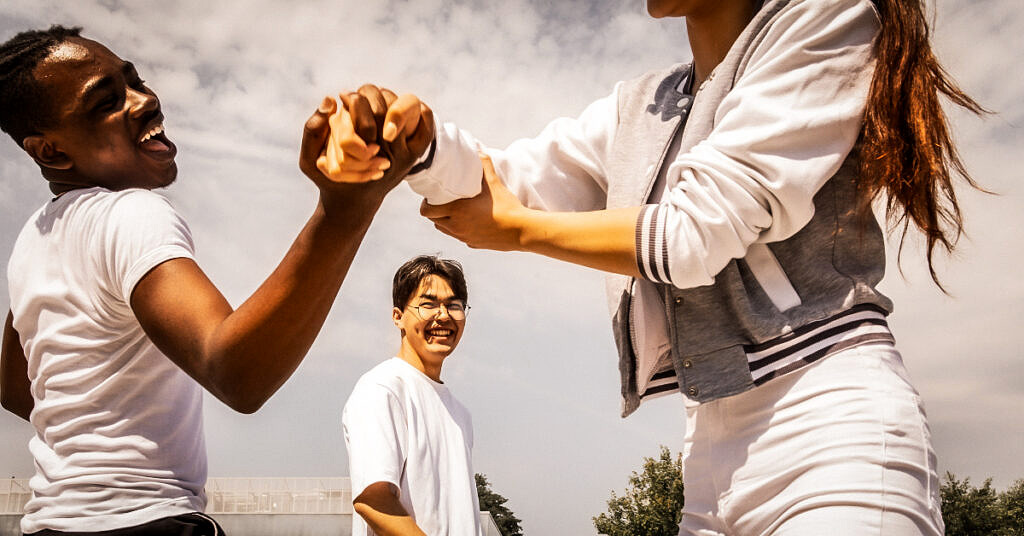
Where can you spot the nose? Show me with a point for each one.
(442, 311)
(141, 102)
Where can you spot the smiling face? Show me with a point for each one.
(107, 127)
(429, 336)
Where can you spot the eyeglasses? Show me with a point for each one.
(427, 310)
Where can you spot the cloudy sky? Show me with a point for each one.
(537, 366)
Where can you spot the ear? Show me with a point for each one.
(396, 317)
(45, 153)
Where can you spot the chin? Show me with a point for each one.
(441, 352)
(168, 178)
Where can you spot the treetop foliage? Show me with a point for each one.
(491, 502)
(653, 502)
(982, 511)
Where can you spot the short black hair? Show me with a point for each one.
(409, 275)
(23, 106)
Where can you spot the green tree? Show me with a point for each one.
(652, 504)
(968, 510)
(982, 511)
(491, 502)
(1012, 503)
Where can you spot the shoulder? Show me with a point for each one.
(379, 395)
(120, 209)
(137, 203)
(382, 381)
(794, 18)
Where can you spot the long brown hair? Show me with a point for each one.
(906, 151)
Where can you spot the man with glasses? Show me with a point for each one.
(409, 440)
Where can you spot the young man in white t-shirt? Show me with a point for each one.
(409, 440)
(114, 330)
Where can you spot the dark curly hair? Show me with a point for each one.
(23, 106)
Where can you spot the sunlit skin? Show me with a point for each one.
(107, 127)
(107, 131)
(427, 340)
(711, 26)
(602, 239)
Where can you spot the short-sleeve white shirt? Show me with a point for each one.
(119, 437)
(403, 428)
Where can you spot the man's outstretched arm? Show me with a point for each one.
(15, 393)
(243, 356)
(379, 506)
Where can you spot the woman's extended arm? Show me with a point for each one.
(496, 219)
(784, 129)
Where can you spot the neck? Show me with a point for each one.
(712, 32)
(408, 354)
(60, 182)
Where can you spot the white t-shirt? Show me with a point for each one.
(119, 437)
(404, 428)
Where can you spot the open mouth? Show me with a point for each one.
(155, 141)
(440, 333)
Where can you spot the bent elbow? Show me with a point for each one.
(239, 390)
(241, 400)
(248, 407)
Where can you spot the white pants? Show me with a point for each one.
(838, 448)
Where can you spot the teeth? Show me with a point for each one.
(153, 132)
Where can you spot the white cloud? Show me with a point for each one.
(537, 367)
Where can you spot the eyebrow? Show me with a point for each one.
(433, 297)
(94, 87)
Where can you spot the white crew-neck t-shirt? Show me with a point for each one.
(403, 428)
(118, 426)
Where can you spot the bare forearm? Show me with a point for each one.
(242, 357)
(257, 347)
(388, 519)
(604, 240)
(15, 388)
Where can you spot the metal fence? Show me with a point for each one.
(260, 496)
(279, 496)
(13, 496)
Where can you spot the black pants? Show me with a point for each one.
(194, 524)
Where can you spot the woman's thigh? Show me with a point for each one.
(841, 446)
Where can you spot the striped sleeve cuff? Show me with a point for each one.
(651, 245)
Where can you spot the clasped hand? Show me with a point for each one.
(375, 136)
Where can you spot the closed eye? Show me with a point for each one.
(107, 103)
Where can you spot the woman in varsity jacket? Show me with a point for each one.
(731, 196)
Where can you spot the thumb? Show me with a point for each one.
(314, 134)
(490, 179)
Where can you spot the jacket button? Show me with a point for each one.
(693, 391)
(679, 301)
(687, 363)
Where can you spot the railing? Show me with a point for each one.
(13, 496)
(279, 496)
(265, 495)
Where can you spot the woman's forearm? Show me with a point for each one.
(604, 239)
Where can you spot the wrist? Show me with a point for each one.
(348, 206)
